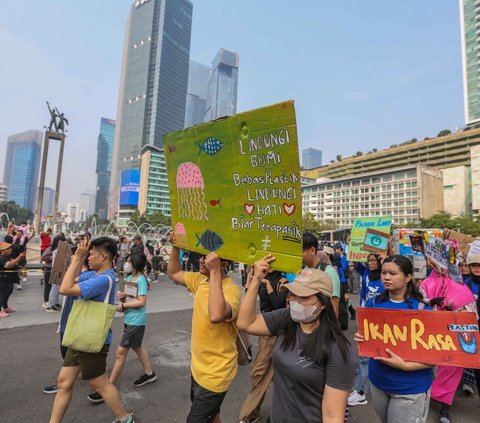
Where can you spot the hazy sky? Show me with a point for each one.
(363, 74)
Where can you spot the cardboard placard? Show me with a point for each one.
(431, 337)
(60, 265)
(463, 241)
(359, 232)
(130, 289)
(375, 241)
(235, 187)
(419, 267)
(437, 254)
(474, 249)
(401, 239)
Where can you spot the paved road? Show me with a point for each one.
(30, 358)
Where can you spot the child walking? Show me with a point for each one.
(134, 300)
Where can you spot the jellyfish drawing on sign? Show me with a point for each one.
(181, 235)
(191, 198)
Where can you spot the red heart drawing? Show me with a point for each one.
(289, 209)
(249, 208)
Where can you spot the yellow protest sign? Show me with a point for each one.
(235, 186)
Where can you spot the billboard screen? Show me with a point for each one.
(129, 187)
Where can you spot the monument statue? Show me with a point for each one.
(54, 125)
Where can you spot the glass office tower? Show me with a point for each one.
(154, 78)
(222, 86)
(104, 165)
(470, 33)
(22, 168)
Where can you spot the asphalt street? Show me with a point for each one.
(30, 359)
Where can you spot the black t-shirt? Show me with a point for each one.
(276, 299)
(5, 276)
(299, 382)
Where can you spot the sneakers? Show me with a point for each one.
(129, 420)
(253, 420)
(445, 416)
(143, 380)
(9, 310)
(45, 305)
(356, 398)
(52, 309)
(24, 280)
(50, 389)
(465, 387)
(95, 397)
(57, 307)
(3, 314)
(19, 287)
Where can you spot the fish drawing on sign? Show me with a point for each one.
(468, 342)
(214, 203)
(209, 240)
(191, 198)
(211, 146)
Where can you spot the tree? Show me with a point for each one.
(14, 211)
(310, 224)
(339, 157)
(154, 219)
(374, 150)
(328, 225)
(444, 132)
(358, 153)
(465, 224)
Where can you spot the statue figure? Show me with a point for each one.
(53, 118)
(63, 120)
(54, 125)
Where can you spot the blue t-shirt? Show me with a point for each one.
(137, 316)
(474, 287)
(396, 381)
(95, 287)
(370, 289)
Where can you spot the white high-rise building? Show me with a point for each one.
(73, 211)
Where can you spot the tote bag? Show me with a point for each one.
(88, 324)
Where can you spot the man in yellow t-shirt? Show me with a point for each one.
(214, 349)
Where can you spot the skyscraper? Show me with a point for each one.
(222, 86)
(154, 78)
(48, 198)
(311, 158)
(22, 167)
(196, 93)
(104, 165)
(469, 17)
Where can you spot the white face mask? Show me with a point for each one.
(303, 313)
(127, 267)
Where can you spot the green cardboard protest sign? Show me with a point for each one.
(359, 236)
(235, 187)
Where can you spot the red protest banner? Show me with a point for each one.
(432, 337)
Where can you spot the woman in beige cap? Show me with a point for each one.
(313, 362)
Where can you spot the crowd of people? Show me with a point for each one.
(300, 326)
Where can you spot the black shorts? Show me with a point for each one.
(205, 404)
(132, 336)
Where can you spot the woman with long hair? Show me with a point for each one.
(400, 389)
(313, 363)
